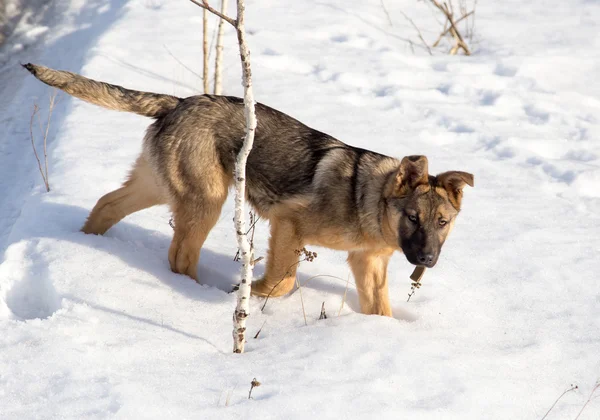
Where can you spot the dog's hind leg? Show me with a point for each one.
(194, 218)
(282, 260)
(140, 191)
(370, 273)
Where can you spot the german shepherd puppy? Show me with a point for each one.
(312, 188)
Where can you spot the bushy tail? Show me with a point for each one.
(106, 95)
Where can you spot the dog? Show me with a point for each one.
(313, 189)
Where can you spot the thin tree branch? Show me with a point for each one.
(204, 4)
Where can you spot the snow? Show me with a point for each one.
(99, 327)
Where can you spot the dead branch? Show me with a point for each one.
(448, 12)
(446, 29)
(204, 4)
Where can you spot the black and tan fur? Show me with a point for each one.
(312, 188)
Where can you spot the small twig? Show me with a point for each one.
(573, 388)
(323, 314)
(171, 223)
(589, 399)
(260, 329)
(253, 384)
(418, 32)
(345, 292)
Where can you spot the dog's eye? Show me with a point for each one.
(443, 222)
(412, 218)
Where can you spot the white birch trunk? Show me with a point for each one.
(219, 49)
(205, 50)
(242, 309)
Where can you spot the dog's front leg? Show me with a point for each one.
(370, 273)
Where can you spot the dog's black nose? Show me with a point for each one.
(425, 259)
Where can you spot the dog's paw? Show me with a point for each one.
(265, 288)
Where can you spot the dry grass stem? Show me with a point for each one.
(45, 132)
(301, 301)
(418, 33)
(308, 256)
(181, 63)
(572, 388)
(345, 293)
(253, 384)
(590, 398)
(387, 14)
(323, 315)
(260, 329)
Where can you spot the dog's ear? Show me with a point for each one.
(454, 182)
(413, 172)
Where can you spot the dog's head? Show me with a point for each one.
(421, 208)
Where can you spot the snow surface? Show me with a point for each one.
(98, 327)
